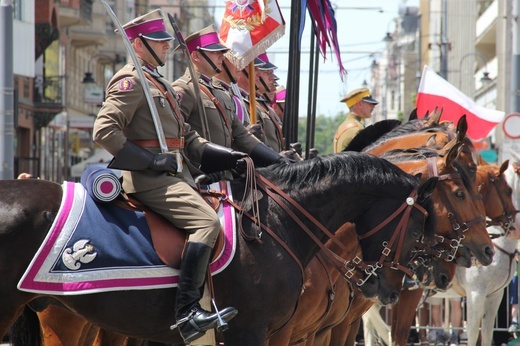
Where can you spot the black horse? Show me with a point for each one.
(263, 281)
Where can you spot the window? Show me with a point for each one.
(18, 9)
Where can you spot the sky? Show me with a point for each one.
(362, 25)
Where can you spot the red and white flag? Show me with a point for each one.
(435, 91)
(249, 27)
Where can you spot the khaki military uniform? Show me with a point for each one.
(125, 115)
(271, 123)
(224, 129)
(240, 105)
(347, 131)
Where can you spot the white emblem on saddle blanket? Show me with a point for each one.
(81, 252)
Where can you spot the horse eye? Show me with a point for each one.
(460, 194)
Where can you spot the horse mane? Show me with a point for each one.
(351, 167)
(371, 133)
(420, 154)
(409, 128)
(409, 154)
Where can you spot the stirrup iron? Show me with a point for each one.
(221, 324)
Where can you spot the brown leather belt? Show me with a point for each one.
(173, 143)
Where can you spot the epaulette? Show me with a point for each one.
(185, 81)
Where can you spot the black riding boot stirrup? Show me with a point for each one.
(192, 320)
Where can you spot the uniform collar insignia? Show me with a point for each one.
(152, 70)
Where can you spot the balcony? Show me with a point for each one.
(48, 99)
(74, 12)
(93, 31)
(486, 29)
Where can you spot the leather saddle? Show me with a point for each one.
(168, 240)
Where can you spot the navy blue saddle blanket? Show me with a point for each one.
(93, 247)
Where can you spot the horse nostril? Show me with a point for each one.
(444, 281)
(490, 252)
(394, 297)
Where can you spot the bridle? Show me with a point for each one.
(507, 218)
(454, 239)
(397, 238)
(348, 268)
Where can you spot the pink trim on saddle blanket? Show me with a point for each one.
(39, 277)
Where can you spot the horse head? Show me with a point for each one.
(497, 195)
(394, 261)
(454, 204)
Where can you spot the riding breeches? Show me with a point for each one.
(185, 209)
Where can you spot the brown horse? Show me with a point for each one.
(413, 139)
(340, 333)
(500, 210)
(319, 296)
(327, 299)
(334, 189)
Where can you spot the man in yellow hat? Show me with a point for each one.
(161, 180)
(361, 104)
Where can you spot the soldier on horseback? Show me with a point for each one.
(224, 126)
(162, 179)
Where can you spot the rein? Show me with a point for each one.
(511, 259)
(345, 267)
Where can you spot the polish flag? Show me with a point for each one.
(436, 92)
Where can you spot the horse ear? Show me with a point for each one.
(434, 118)
(426, 189)
(462, 126)
(418, 176)
(503, 167)
(432, 141)
(453, 149)
(413, 115)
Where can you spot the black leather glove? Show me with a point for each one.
(164, 162)
(216, 158)
(135, 158)
(211, 178)
(241, 167)
(132, 158)
(264, 156)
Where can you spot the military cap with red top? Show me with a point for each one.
(150, 26)
(357, 95)
(267, 64)
(206, 39)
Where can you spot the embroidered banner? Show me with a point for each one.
(250, 27)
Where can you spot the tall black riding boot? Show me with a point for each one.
(192, 320)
